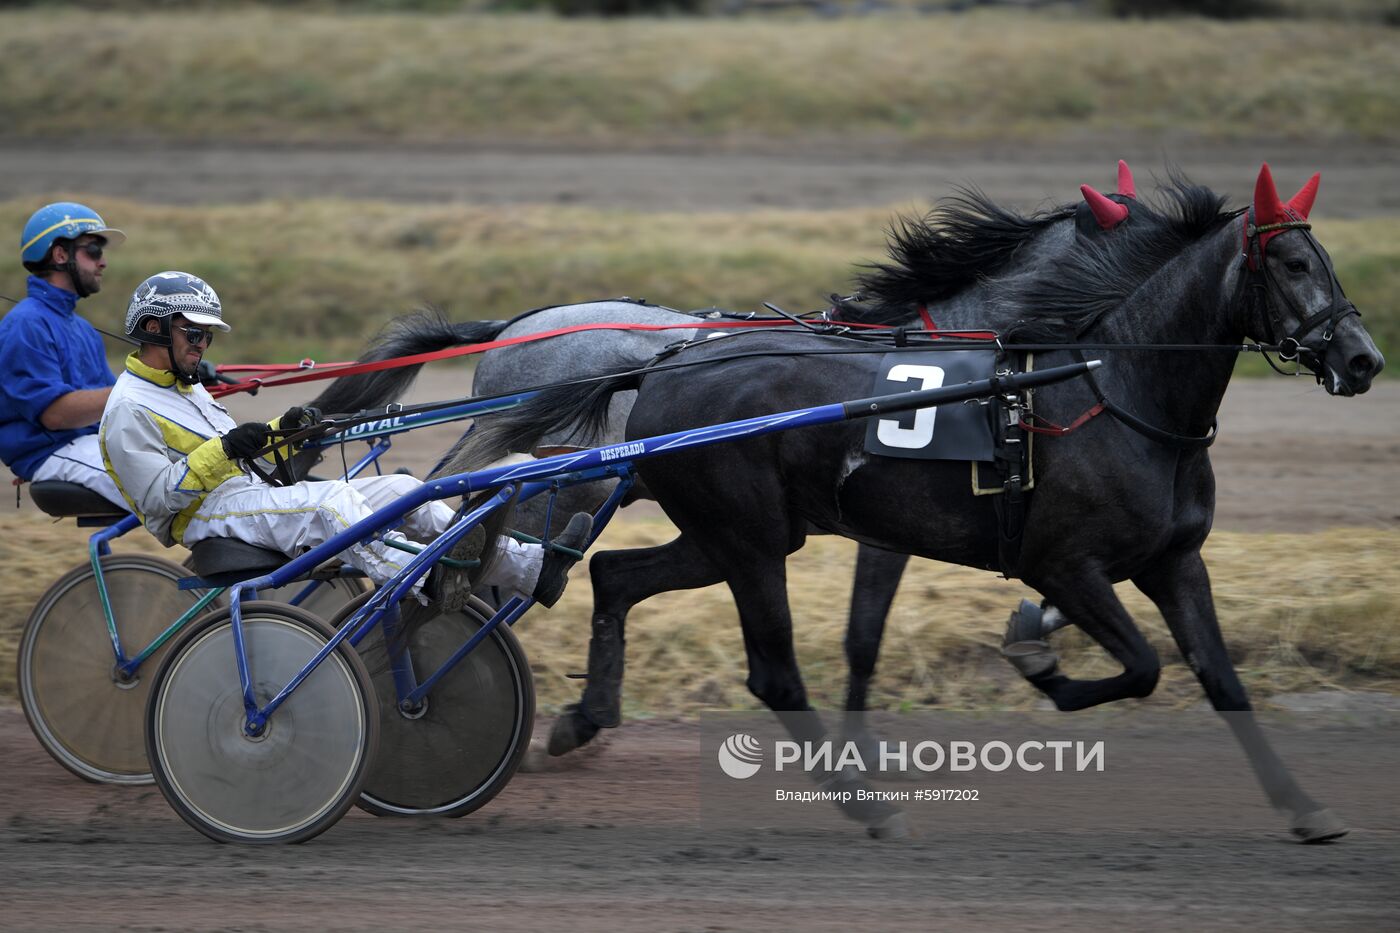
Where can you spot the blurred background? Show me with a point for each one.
(327, 165)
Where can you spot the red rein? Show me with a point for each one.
(336, 370)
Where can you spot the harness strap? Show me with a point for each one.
(1052, 429)
(1259, 284)
(1142, 427)
(927, 318)
(1011, 452)
(1254, 242)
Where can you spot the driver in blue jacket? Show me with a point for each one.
(54, 378)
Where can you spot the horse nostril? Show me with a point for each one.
(1365, 365)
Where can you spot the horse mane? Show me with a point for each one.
(965, 238)
(1102, 273)
(968, 240)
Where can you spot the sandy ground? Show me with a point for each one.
(1358, 179)
(618, 843)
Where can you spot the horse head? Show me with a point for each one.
(1298, 302)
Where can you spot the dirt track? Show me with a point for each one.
(617, 845)
(1359, 180)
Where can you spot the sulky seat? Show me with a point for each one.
(226, 561)
(71, 500)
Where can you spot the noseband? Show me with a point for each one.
(1262, 286)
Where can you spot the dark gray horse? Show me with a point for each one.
(1129, 496)
(949, 259)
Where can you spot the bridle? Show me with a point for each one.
(1260, 287)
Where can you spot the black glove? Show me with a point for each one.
(244, 441)
(299, 417)
(208, 375)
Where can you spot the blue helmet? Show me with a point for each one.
(64, 220)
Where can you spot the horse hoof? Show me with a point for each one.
(1024, 624)
(538, 760)
(894, 826)
(1031, 658)
(1319, 826)
(571, 730)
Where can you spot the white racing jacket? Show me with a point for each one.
(161, 443)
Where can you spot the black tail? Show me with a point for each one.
(519, 429)
(423, 331)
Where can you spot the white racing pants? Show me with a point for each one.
(80, 462)
(292, 519)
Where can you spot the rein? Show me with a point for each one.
(354, 369)
(1161, 436)
(106, 333)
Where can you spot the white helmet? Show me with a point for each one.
(167, 294)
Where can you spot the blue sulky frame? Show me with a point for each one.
(377, 434)
(547, 475)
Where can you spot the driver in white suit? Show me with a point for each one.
(177, 456)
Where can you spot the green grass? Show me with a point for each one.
(309, 77)
(315, 278)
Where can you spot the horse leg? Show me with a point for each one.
(877, 577)
(621, 579)
(758, 581)
(1090, 601)
(1180, 586)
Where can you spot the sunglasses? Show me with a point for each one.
(93, 249)
(197, 335)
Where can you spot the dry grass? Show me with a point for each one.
(290, 295)
(34, 552)
(1299, 611)
(284, 76)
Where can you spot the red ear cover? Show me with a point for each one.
(1302, 202)
(1125, 180)
(1268, 209)
(1108, 213)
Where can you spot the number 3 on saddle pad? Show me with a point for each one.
(963, 431)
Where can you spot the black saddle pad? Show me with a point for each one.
(70, 500)
(224, 561)
(963, 432)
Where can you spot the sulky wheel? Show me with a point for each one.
(298, 776)
(459, 749)
(324, 601)
(83, 712)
